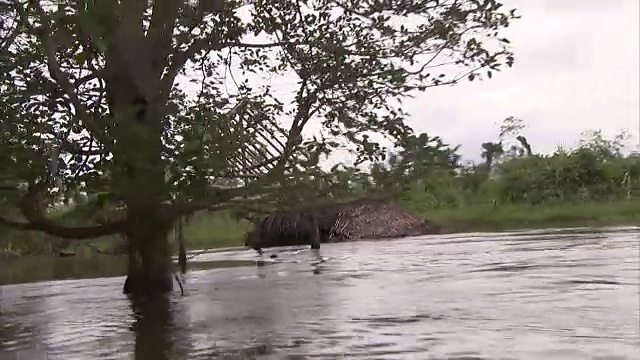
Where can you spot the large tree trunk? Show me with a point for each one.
(139, 177)
(150, 266)
(137, 113)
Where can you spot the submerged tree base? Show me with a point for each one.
(147, 285)
(150, 270)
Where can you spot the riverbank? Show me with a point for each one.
(211, 231)
(204, 231)
(487, 217)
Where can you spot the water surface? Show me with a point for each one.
(561, 294)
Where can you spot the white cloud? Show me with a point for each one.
(576, 69)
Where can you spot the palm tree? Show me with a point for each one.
(525, 144)
(491, 151)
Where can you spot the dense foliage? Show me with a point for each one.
(91, 100)
(597, 170)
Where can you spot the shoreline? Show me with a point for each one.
(487, 218)
(473, 226)
(227, 233)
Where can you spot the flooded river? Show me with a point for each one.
(571, 294)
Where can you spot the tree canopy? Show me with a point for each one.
(93, 97)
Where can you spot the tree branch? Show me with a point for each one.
(127, 48)
(303, 114)
(59, 76)
(52, 228)
(243, 171)
(180, 58)
(79, 149)
(222, 198)
(160, 33)
(33, 210)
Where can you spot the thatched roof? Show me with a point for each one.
(373, 220)
(362, 219)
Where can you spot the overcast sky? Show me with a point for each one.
(576, 69)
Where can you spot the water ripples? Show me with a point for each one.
(566, 294)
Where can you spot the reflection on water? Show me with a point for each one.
(533, 295)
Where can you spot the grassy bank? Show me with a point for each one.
(486, 217)
(204, 231)
(208, 231)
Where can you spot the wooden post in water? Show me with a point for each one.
(314, 232)
(182, 249)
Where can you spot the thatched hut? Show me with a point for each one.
(375, 219)
(289, 229)
(363, 219)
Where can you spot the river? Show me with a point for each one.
(553, 294)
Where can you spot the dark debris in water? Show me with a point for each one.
(593, 282)
(373, 345)
(251, 352)
(499, 267)
(505, 268)
(391, 321)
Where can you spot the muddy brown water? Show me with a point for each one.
(553, 294)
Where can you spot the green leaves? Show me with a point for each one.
(349, 64)
(579, 175)
(591, 172)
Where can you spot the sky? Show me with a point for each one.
(577, 69)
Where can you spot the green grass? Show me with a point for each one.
(210, 231)
(207, 230)
(486, 217)
(204, 231)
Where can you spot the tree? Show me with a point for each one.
(595, 141)
(419, 157)
(511, 129)
(91, 101)
(524, 145)
(491, 152)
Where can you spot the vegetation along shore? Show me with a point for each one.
(595, 184)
